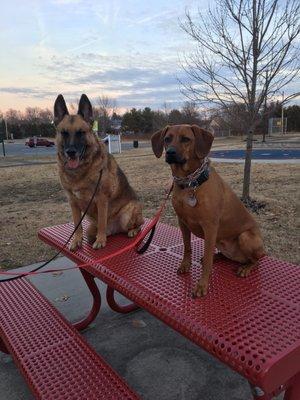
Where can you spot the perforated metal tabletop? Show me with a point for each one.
(251, 324)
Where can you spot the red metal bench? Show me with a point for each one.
(252, 324)
(54, 359)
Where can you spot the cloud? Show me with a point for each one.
(128, 84)
(36, 93)
(137, 86)
(152, 98)
(89, 63)
(116, 75)
(27, 92)
(122, 49)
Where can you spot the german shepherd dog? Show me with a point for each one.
(82, 161)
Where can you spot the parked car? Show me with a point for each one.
(38, 141)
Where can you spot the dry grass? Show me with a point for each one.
(31, 198)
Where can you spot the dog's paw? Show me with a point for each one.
(184, 267)
(76, 243)
(201, 289)
(133, 232)
(91, 238)
(244, 271)
(99, 243)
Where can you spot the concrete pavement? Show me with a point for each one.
(18, 149)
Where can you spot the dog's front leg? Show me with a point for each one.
(210, 235)
(102, 209)
(76, 214)
(187, 255)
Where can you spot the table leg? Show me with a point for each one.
(293, 391)
(258, 394)
(3, 347)
(116, 307)
(90, 281)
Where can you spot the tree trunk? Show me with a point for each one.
(247, 166)
(264, 135)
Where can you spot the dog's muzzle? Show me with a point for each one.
(71, 153)
(72, 157)
(172, 157)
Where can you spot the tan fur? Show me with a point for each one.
(115, 207)
(219, 216)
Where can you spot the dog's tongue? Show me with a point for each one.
(72, 164)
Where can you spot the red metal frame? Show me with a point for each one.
(3, 348)
(116, 307)
(91, 284)
(258, 394)
(293, 391)
(250, 324)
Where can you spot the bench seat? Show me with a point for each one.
(55, 360)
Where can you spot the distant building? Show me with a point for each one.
(218, 127)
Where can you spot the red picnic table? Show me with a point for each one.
(250, 324)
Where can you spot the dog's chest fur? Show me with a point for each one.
(190, 216)
(78, 194)
(81, 197)
(80, 189)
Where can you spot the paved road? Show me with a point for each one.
(20, 150)
(258, 154)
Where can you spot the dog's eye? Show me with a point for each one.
(79, 133)
(168, 139)
(185, 139)
(65, 134)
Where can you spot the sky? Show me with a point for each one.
(128, 50)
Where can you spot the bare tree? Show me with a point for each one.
(190, 112)
(246, 50)
(160, 119)
(106, 108)
(234, 117)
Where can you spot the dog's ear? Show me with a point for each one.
(85, 109)
(203, 141)
(60, 109)
(157, 141)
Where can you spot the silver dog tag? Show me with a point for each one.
(191, 199)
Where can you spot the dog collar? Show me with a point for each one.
(196, 178)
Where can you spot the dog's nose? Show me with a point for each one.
(171, 151)
(71, 152)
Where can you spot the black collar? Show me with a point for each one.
(195, 179)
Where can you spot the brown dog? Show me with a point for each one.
(205, 205)
(82, 159)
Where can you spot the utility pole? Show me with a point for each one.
(282, 119)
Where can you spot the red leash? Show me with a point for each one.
(135, 243)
